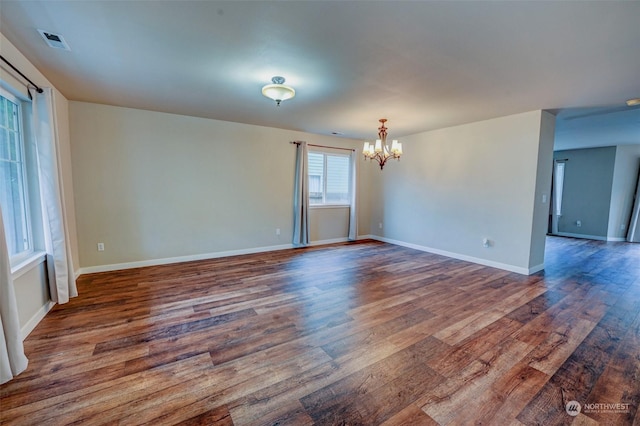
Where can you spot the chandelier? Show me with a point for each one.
(380, 151)
(278, 91)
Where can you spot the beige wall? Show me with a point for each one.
(154, 186)
(459, 185)
(32, 295)
(31, 286)
(328, 223)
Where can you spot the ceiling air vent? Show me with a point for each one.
(54, 40)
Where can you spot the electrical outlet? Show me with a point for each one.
(277, 231)
(486, 243)
(100, 246)
(380, 225)
(578, 223)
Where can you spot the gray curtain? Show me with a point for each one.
(353, 214)
(12, 358)
(301, 198)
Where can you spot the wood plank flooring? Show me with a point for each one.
(349, 334)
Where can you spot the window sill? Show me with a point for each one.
(330, 206)
(30, 262)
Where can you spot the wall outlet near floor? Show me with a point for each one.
(277, 231)
(486, 243)
(380, 225)
(578, 223)
(100, 246)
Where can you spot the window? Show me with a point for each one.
(13, 185)
(329, 179)
(558, 186)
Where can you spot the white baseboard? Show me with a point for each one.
(205, 256)
(535, 269)
(36, 318)
(618, 239)
(480, 261)
(584, 236)
(179, 259)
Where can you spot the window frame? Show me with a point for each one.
(324, 203)
(24, 255)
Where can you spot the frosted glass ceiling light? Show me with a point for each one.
(278, 91)
(633, 102)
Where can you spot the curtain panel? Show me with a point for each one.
(301, 197)
(12, 358)
(353, 213)
(56, 235)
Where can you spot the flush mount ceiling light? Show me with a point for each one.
(278, 91)
(380, 151)
(633, 102)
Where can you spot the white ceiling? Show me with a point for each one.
(423, 65)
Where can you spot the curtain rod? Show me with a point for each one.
(38, 88)
(324, 146)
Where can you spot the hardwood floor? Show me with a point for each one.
(351, 334)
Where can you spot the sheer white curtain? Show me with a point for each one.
(59, 264)
(301, 197)
(353, 214)
(12, 358)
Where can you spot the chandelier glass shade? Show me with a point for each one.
(380, 151)
(278, 91)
